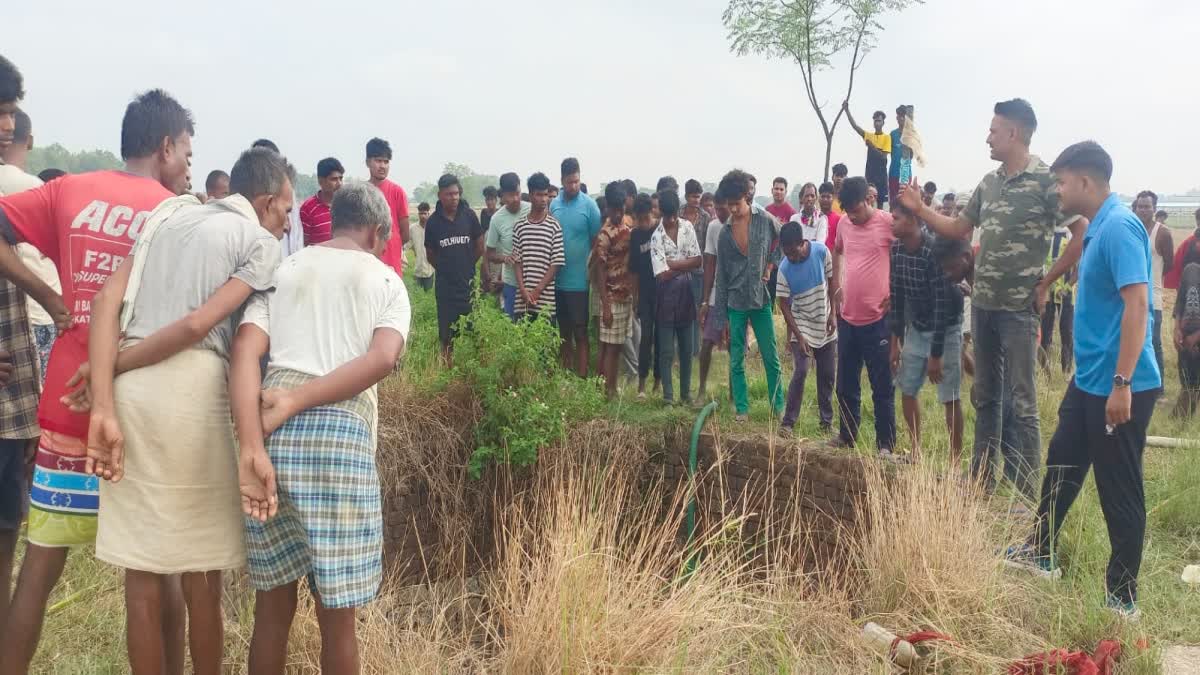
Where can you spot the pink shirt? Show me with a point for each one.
(393, 255)
(866, 255)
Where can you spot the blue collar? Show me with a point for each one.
(1110, 203)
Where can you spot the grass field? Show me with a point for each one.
(574, 592)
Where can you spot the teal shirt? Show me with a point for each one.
(500, 237)
(580, 220)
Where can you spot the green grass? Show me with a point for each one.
(86, 634)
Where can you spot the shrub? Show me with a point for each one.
(528, 399)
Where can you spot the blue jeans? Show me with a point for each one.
(1005, 363)
(868, 345)
(508, 298)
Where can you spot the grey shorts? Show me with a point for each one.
(914, 359)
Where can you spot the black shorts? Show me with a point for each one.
(448, 313)
(14, 493)
(571, 308)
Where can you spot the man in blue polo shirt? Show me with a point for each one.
(580, 219)
(1103, 417)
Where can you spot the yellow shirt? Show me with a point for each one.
(881, 141)
(837, 206)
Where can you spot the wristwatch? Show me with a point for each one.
(1120, 380)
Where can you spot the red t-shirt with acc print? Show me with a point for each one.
(86, 224)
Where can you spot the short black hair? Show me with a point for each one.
(931, 187)
(630, 187)
(1086, 157)
(601, 203)
(1160, 214)
(538, 182)
(1019, 112)
(490, 192)
(260, 171)
(1148, 193)
(826, 188)
(24, 127)
(265, 143)
(149, 118)
(945, 248)
(840, 170)
(791, 234)
(692, 187)
(750, 177)
(510, 182)
(734, 185)
(854, 192)
(214, 176)
(377, 147)
(949, 197)
(642, 204)
(668, 202)
(614, 194)
(47, 175)
(569, 167)
(809, 185)
(583, 187)
(12, 84)
(553, 187)
(879, 113)
(329, 165)
(448, 180)
(667, 183)
(903, 109)
(423, 206)
(778, 180)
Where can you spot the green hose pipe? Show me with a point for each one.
(692, 461)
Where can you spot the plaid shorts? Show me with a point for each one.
(329, 527)
(622, 323)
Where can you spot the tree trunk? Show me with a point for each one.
(828, 154)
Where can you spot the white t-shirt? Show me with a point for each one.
(710, 248)
(325, 307)
(817, 227)
(663, 248)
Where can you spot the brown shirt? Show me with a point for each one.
(612, 251)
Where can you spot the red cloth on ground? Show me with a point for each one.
(1071, 663)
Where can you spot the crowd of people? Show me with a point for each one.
(281, 317)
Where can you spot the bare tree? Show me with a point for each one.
(811, 33)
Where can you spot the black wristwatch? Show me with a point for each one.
(1120, 380)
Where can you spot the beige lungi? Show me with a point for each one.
(178, 507)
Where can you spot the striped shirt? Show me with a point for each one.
(316, 221)
(804, 284)
(536, 248)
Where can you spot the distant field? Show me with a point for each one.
(1181, 217)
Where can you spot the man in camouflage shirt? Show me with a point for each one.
(1016, 210)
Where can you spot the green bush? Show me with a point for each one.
(528, 399)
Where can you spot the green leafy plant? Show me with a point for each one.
(527, 398)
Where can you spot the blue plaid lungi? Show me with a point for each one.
(329, 527)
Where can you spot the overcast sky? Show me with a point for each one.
(633, 88)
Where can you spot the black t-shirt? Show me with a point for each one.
(639, 261)
(454, 243)
(485, 218)
(877, 167)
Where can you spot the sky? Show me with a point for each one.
(632, 88)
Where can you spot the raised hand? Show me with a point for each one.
(910, 196)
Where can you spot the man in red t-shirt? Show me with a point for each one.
(779, 206)
(86, 224)
(315, 217)
(379, 162)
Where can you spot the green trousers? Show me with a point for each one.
(764, 331)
